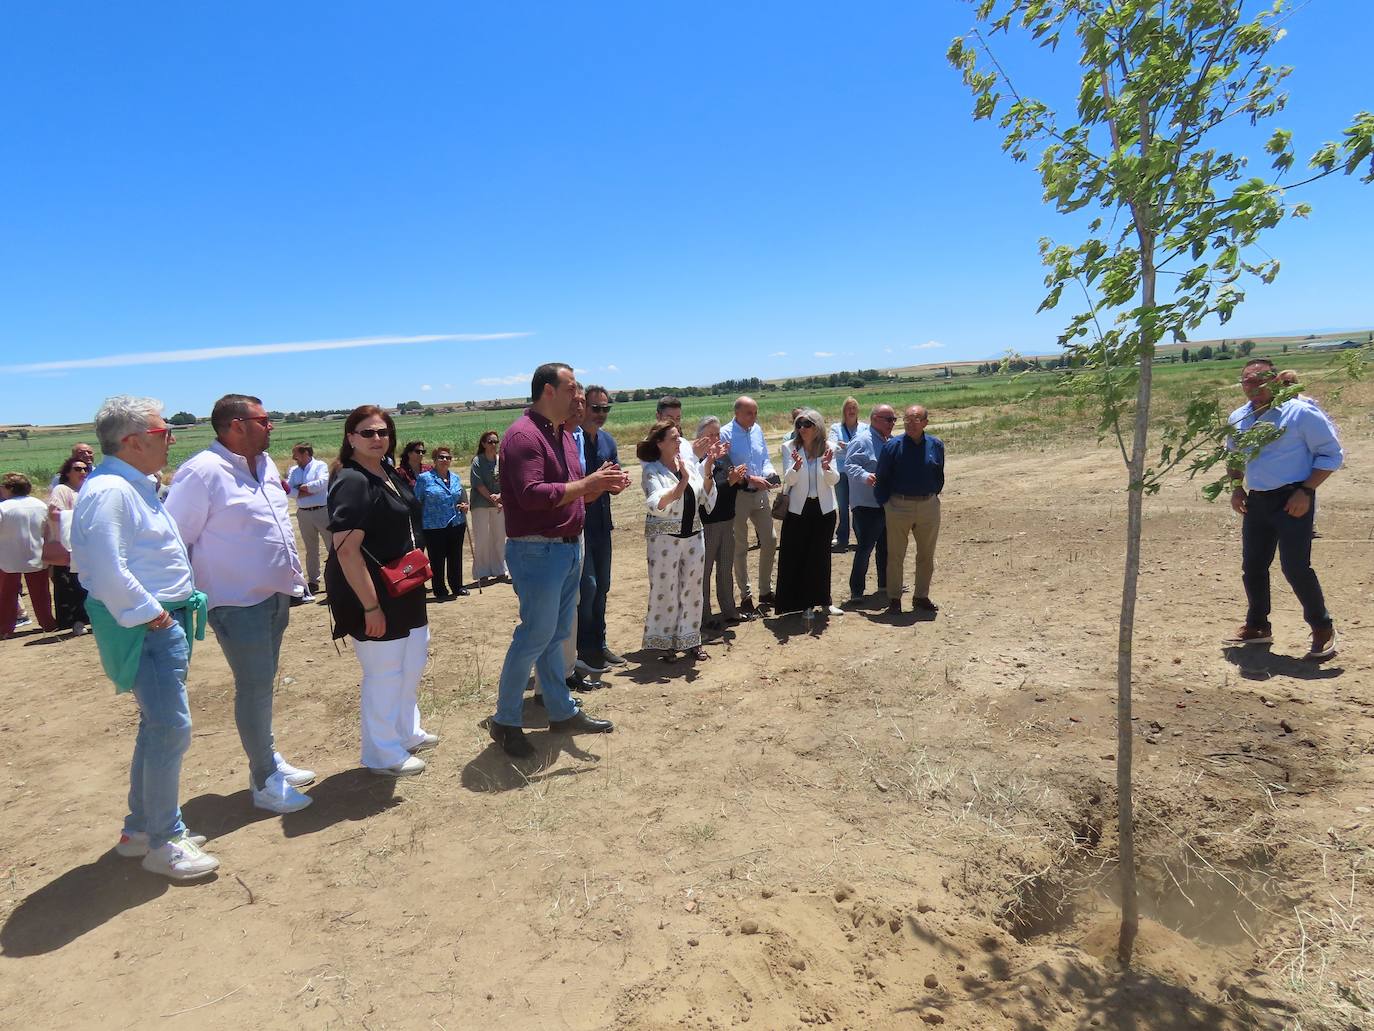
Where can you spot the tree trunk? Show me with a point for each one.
(1125, 734)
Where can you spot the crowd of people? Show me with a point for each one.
(147, 567)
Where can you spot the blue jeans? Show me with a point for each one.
(1268, 528)
(842, 511)
(870, 531)
(250, 636)
(164, 734)
(547, 582)
(596, 584)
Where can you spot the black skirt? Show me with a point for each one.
(804, 558)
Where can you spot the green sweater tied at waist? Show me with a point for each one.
(121, 647)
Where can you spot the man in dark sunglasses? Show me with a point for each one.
(593, 652)
(230, 506)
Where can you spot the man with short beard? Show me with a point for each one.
(593, 652)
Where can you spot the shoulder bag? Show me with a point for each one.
(401, 576)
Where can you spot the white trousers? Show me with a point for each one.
(389, 714)
(488, 542)
(673, 622)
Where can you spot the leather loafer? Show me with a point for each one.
(924, 605)
(511, 739)
(894, 608)
(580, 723)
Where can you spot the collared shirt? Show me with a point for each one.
(537, 463)
(439, 500)
(1308, 442)
(131, 555)
(599, 449)
(236, 526)
(842, 434)
(910, 466)
(748, 448)
(23, 528)
(860, 463)
(315, 476)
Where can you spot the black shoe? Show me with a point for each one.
(462, 592)
(511, 739)
(313, 587)
(611, 658)
(591, 662)
(576, 683)
(746, 606)
(580, 723)
(924, 605)
(442, 596)
(767, 600)
(894, 608)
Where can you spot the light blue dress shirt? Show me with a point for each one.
(439, 500)
(1309, 442)
(861, 458)
(127, 545)
(839, 433)
(748, 448)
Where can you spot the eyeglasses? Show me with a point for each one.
(164, 431)
(1251, 381)
(885, 418)
(601, 408)
(369, 434)
(265, 421)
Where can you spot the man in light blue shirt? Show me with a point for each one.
(842, 433)
(861, 473)
(1280, 505)
(138, 573)
(748, 448)
(308, 483)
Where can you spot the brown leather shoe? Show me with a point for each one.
(1323, 644)
(1248, 634)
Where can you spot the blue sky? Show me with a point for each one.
(656, 193)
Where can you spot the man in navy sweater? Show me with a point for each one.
(910, 477)
(593, 654)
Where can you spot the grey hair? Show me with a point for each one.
(704, 421)
(121, 416)
(822, 430)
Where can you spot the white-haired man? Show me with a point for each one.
(141, 598)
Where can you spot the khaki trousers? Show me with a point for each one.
(918, 518)
(314, 524)
(755, 508)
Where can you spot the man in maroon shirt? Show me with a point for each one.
(544, 508)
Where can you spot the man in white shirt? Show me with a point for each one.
(24, 527)
(140, 597)
(748, 448)
(308, 483)
(229, 504)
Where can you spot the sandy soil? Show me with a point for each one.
(887, 822)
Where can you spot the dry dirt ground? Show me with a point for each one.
(888, 822)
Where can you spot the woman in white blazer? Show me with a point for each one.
(673, 488)
(809, 525)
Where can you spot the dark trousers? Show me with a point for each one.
(591, 605)
(1265, 529)
(870, 531)
(804, 558)
(445, 547)
(68, 598)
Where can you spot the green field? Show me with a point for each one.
(972, 413)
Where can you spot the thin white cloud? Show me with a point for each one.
(503, 381)
(887, 350)
(448, 386)
(824, 354)
(579, 372)
(778, 354)
(425, 386)
(929, 345)
(611, 368)
(206, 354)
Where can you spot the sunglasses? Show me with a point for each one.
(264, 421)
(165, 431)
(369, 434)
(601, 408)
(886, 418)
(80, 468)
(1251, 381)
(805, 424)
(443, 458)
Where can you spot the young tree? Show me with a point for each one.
(1157, 80)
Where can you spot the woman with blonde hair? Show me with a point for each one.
(674, 487)
(809, 524)
(488, 519)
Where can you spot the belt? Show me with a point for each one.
(1286, 488)
(915, 497)
(547, 540)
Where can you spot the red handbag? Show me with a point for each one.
(402, 575)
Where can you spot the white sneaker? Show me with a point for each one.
(79, 630)
(295, 777)
(427, 741)
(412, 766)
(835, 610)
(278, 796)
(181, 860)
(131, 846)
